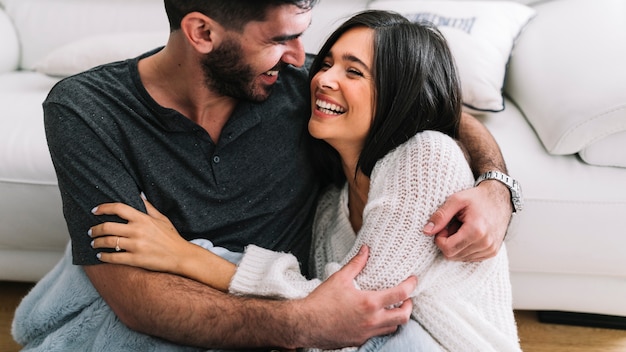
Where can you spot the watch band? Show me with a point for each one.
(512, 184)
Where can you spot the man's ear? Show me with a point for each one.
(202, 32)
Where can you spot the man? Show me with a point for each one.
(209, 129)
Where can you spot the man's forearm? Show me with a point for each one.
(188, 313)
(484, 152)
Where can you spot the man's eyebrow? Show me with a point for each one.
(288, 37)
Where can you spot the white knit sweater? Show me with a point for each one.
(464, 306)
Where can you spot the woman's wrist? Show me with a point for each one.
(207, 267)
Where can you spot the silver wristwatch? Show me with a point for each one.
(510, 182)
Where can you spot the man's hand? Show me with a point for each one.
(470, 226)
(339, 315)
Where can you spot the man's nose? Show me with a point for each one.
(295, 53)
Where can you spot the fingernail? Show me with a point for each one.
(429, 227)
(91, 244)
(89, 233)
(94, 210)
(143, 196)
(98, 255)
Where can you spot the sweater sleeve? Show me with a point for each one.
(406, 187)
(266, 273)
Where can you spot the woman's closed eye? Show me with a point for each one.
(355, 72)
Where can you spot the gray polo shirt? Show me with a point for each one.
(109, 141)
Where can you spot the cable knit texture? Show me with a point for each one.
(464, 306)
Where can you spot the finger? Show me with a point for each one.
(478, 254)
(396, 316)
(151, 210)
(110, 242)
(405, 310)
(122, 210)
(356, 264)
(110, 228)
(452, 245)
(468, 251)
(116, 258)
(442, 216)
(400, 293)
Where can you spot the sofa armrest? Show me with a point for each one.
(9, 44)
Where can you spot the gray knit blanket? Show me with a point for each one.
(64, 312)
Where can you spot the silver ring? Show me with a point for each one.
(117, 245)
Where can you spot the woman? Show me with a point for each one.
(386, 104)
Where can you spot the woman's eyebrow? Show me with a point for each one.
(353, 58)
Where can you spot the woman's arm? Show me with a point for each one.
(150, 241)
(405, 188)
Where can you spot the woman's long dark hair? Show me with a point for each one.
(416, 88)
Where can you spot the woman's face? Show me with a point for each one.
(342, 92)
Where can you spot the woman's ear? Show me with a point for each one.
(203, 33)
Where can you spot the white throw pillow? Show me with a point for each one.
(97, 50)
(481, 35)
(568, 74)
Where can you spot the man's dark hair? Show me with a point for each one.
(232, 14)
(416, 88)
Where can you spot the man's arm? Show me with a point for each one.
(189, 313)
(151, 242)
(479, 217)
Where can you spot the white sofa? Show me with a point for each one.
(562, 132)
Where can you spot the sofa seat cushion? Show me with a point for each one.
(24, 153)
(30, 205)
(568, 74)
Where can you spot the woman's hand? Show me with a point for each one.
(149, 241)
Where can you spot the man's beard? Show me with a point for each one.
(227, 73)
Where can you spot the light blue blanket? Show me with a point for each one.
(64, 312)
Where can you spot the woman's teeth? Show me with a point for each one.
(328, 108)
(272, 73)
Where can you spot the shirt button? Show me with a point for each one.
(216, 159)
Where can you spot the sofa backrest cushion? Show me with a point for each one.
(83, 54)
(568, 74)
(9, 46)
(45, 25)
